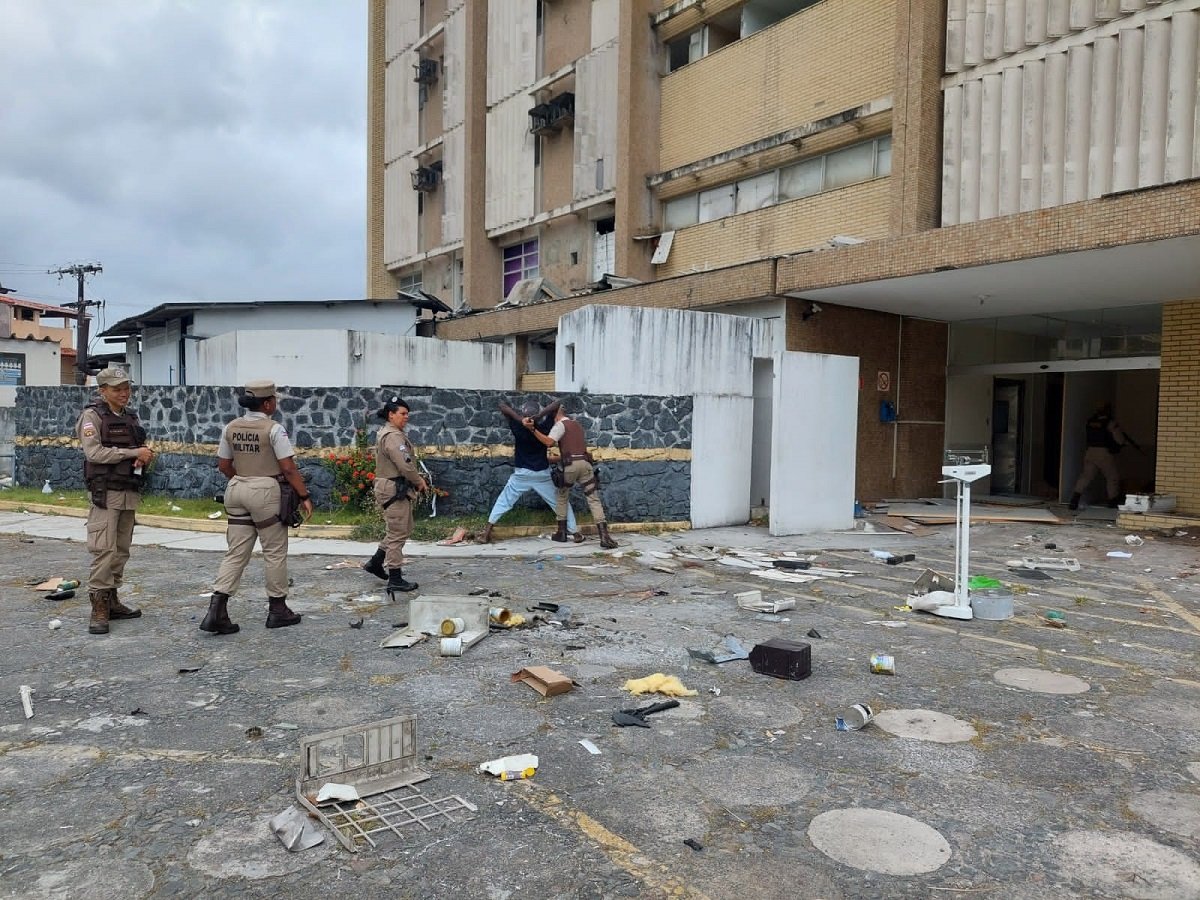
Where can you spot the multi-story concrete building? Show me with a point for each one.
(993, 204)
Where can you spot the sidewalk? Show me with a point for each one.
(72, 528)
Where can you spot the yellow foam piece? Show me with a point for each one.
(658, 683)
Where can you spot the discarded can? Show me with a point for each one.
(68, 585)
(452, 646)
(517, 774)
(500, 615)
(453, 626)
(883, 664)
(1055, 618)
(855, 717)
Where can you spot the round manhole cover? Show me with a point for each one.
(876, 840)
(1128, 865)
(1041, 681)
(925, 725)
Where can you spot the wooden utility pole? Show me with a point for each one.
(79, 273)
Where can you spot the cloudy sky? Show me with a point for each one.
(197, 149)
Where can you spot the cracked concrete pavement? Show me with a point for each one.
(986, 771)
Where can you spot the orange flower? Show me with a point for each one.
(370, 476)
(345, 499)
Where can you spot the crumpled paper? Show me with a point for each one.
(658, 683)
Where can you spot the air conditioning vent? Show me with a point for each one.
(426, 71)
(427, 178)
(552, 116)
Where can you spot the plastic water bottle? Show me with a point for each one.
(46, 489)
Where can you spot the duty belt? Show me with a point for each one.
(574, 457)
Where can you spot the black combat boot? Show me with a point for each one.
(561, 534)
(486, 537)
(606, 540)
(99, 621)
(374, 565)
(216, 620)
(396, 582)
(118, 610)
(1075, 498)
(278, 614)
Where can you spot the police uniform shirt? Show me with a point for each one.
(88, 430)
(280, 443)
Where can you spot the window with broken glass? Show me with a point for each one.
(520, 262)
(849, 165)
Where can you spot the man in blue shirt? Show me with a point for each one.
(531, 468)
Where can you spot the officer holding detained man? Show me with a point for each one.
(115, 454)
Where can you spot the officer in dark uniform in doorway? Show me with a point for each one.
(257, 458)
(1104, 441)
(115, 453)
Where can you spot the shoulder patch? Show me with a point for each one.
(88, 429)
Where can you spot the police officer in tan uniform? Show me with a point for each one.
(577, 468)
(115, 451)
(257, 458)
(397, 483)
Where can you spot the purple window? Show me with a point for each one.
(520, 262)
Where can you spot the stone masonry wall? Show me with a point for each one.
(643, 443)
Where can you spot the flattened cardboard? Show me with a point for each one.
(544, 680)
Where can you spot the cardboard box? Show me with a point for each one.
(545, 681)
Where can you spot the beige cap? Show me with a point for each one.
(113, 375)
(262, 388)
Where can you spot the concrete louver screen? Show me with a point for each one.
(1055, 101)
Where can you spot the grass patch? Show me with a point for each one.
(366, 525)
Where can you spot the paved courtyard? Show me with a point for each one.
(1007, 759)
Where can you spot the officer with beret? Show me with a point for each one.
(257, 458)
(115, 453)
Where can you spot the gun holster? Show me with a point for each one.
(289, 505)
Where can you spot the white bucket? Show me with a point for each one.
(992, 604)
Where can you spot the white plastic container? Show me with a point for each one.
(992, 604)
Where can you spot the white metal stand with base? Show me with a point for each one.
(962, 476)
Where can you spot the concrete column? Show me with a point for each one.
(989, 147)
(1054, 128)
(968, 188)
(993, 30)
(379, 282)
(481, 256)
(1014, 26)
(951, 154)
(1032, 104)
(917, 116)
(1010, 141)
(1035, 22)
(638, 62)
(1178, 421)
(1182, 96)
(1104, 100)
(1129, 107)
(1079, 121)
(1152, 142)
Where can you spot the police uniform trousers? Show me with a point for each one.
(109, 535)
(255, 498)
(398, 519)
(580, 472)
(1099, 459)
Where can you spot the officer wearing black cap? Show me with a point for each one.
(257, 458)
(115, 452)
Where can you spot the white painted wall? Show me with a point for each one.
(760, 452)
(429, 362)
(815, 436)
(659, 352)
(41, 359)
(333, 358)
(386, 317)
(721, 427)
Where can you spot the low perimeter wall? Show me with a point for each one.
(643, 444)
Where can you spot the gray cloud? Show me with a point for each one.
(199, 150)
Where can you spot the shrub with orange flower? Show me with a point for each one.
(354, 473)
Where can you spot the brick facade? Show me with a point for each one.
(1179, 406)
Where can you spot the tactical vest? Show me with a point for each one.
(573, 444)
(1099, 435)
(124, 431)
(250, 441)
